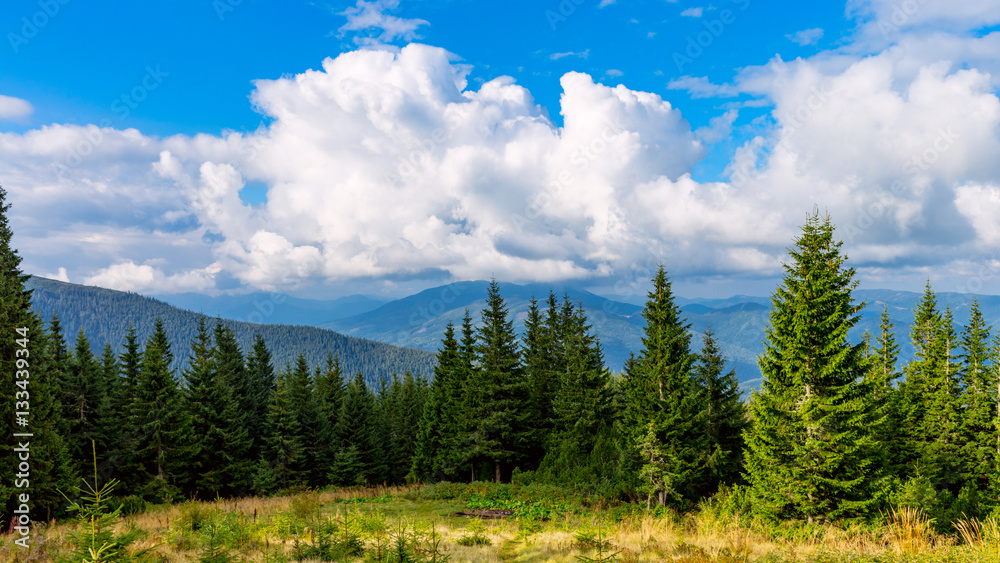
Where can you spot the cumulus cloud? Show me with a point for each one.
(371, 17)
(386, 164)
(13, 108)
(693, 12)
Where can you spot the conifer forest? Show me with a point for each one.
(843, 453)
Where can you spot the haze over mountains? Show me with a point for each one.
(418, 321)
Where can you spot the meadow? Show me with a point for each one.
(417, 523)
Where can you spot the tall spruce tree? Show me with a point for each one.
(502, 406)
(302, 402)
(580, 448)
(260, 371)
(810, 450)
(27, 373)
(278, 467)
(882, 381)
(942, 441)
(329, 392)
(356, 462)
(979, 395)
(83, 395)
(240, 425)
(162, 427)
(724, 416)
(437, 426)
(660, 389)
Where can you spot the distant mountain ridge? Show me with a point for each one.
(418, 321)
(105, 315)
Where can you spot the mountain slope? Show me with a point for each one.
(105, 315)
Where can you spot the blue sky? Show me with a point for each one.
(206, 146)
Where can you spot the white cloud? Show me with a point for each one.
(371, 16)
(806, 36)
(129, 276)
(385, 164)
(700, 87)
(582, 54)
(13, 108)
(693, 12)
(614, 72)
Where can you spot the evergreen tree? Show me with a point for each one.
(302, 404)
(724, 417)
(436, 427)
(660, 390)
(29, 373)
(881, 380)
(913, 390)
(979, 394)
(163, 431)
(279, 465)
(356, 462)
(501, 408)
(942, 441)
(540, 356)
(810, 450)
(240, 426)
(329, 398)
(83, 395)
(260, 371)
(580, 447)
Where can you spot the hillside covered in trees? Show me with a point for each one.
(105, 316)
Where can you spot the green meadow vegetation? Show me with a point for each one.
(415, 523)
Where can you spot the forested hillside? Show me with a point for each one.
(105, 316)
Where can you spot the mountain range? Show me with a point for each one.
(359, 324)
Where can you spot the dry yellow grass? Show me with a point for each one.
(273, 525)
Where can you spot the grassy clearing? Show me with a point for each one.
(399, 524)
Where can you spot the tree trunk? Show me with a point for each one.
(498, 472)
(473, 473)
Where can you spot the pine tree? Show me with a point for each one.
(163, 431)
(501, 408)
(539, 345)
(660, 390)
(260, 371)
(356, 461)
(436, 427)
(83, 395)
(127, 469)
(942, 440)
(810, 450)
(724, 416)
(913, 390)
(979, 395)
(580, 447)
(230, 367)
(312, 464)
(329, 399)
(279, 465)
(881, 379)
